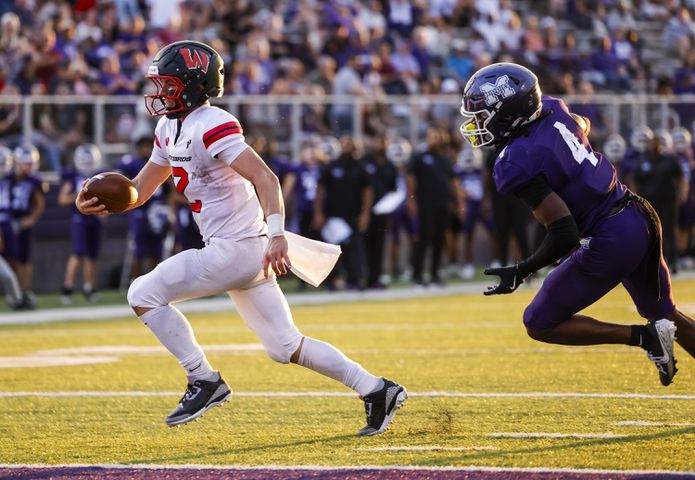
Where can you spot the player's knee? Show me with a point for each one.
(534, 320)
(140, 295)
(279, 354)
(282, 351)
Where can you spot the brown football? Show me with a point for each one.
(114, 190)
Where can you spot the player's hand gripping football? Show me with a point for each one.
(276, 256)
(510, 279)
(89, 207)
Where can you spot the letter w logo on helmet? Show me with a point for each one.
(197, 59)
(497, 91)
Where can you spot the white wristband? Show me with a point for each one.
(276, 225)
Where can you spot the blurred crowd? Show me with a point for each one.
(316, 47)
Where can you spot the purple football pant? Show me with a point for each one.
(9, 240)
(474, 214)
(616, 252)
(86, 237)
(24, 240)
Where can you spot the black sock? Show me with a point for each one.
(639, 336)
(67, 291)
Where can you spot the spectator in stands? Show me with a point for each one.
(432, 189)
(347, 82)
(85, 229)
(458, 63)
(345, 197)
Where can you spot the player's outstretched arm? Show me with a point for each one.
(148, 181)
(250, 166)
(562, 237)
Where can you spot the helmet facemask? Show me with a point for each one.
(474, 128)
(167, 97)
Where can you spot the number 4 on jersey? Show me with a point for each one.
(579, 151)
(182, 183)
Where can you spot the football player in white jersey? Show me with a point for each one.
(230, 190)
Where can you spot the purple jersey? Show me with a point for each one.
(22, 194)
(305, 187)
(557, 148)
(6, 184)
(471, 182)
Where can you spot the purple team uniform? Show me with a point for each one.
(85, 229)
(471, 182)
(148, 223)
(686, 209)
(22, 195)
(7, 223)
(619, 242)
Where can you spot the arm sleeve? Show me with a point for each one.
(562, 237)
(534, 192)
(226, 136)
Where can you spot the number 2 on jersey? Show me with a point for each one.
(182, 183)
(579, 151)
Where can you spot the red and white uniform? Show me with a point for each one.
(224, 203)
(230, 218)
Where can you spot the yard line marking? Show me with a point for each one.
(425, 448)
(343, 468)
(144, 350)
(554, 435)
(54, 360)
(352, 394)
(640, 423)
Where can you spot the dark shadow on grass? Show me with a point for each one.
(245, 449)
(491, 454)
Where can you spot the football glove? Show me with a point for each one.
(510, 279)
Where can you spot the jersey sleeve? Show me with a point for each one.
(512, 170)
(226, 135)
(159, 155)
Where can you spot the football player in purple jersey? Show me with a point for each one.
(28, 204)
(8, 237)
(85, 229)
(544, 158)
(147, 225)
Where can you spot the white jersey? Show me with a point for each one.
(224, 204)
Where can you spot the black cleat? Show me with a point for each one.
(660, 349)
(200, 396)
(381, 406)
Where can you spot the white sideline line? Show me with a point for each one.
(554, 435)
(640, 423)
(224, 304)
(428, 448)
(351, 394)
(342, 468)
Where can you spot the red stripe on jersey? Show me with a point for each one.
(156, 142)
(211, 133)
(221, 134)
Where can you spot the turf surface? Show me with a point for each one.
(468, 344)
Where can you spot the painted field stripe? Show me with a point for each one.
(640, 423)
(343, 468)
(352, 394)
(553, 435)
(425, 448)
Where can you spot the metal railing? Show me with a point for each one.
(284, 117)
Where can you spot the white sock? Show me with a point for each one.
(331, 362)
(9, 282)
(174, 332)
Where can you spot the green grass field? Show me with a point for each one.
(464, 344)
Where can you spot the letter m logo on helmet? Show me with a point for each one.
(497, 91)
(196, 59)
